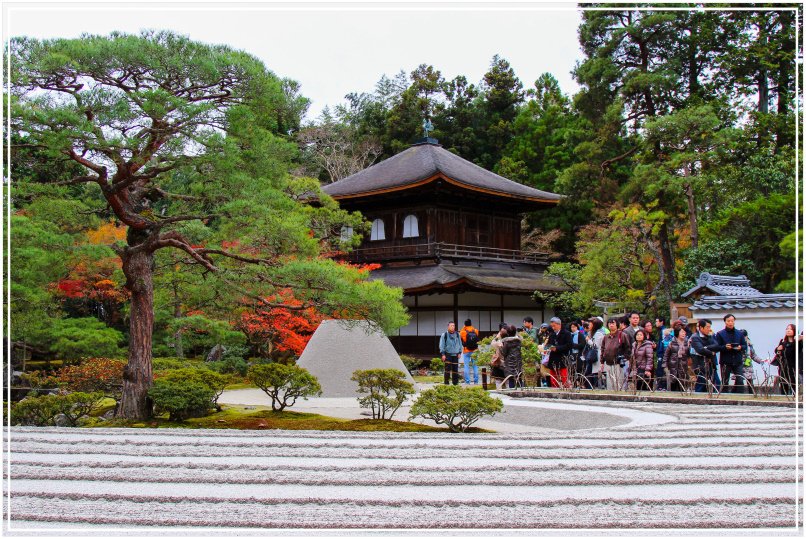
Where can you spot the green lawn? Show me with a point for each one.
(432, 379)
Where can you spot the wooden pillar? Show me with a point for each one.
(502, 307)
(456, 310)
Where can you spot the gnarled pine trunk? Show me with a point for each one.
(138, 266)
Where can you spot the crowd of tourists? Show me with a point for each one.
(625, 353)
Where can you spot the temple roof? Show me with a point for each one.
(494, 278)
(761, 301)
(723, 285)
(424, 163)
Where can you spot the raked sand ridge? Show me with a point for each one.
(705, 467)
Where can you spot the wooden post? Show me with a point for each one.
(484, 378)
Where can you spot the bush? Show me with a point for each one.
(232, 361)
(484, 353)
(36, 411)
(411, 363)
(172, 363)
(95, 374)
(437, 365)
(39, 382)
(381, 384)
(213, 380)
(454, 406)
(41, 411)
(230, 365)
(80, 404)
(284, 383)
(529, 352)
(181, 398)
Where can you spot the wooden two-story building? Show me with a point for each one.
(448, 232)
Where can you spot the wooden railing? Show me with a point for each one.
(444, 250)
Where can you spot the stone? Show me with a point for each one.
(216, 353)
(340, 347)
(61, 421)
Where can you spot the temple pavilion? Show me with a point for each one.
(448, 232)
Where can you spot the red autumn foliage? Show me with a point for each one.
(281, 328)
(72, 288)
(94, 374)
(93, 279)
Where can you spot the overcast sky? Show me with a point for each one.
(334, 49)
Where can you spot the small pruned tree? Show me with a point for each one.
(284, 383)
(42, 410)
(80, 404)
(454, 406)
(387, 390)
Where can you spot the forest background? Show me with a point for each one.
(677, 156)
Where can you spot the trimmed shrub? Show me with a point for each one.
(41, 411)
(284, 383)
(454, 406)
(437, 365)
(387, 388)
(411, 363)
(172, 363)
(181, 398)
(215, 381)
(230, 365)
(80, 404)
(36, 411)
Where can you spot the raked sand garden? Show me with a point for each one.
(548, 466)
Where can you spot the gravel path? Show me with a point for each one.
(644, 466)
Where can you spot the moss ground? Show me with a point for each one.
(263, 418)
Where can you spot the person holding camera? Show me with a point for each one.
(703, 357)
(731, 345)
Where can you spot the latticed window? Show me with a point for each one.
(378, 230)
(410, 227)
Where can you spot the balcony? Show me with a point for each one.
(447, 251)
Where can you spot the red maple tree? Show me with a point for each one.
(280, 329)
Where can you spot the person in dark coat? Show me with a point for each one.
(642, 362)
(785, 354)
(676, 359)
(703, 357)
(513, 359)
(559, 344)
(731, 345)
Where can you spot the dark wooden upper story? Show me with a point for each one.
(426, 202)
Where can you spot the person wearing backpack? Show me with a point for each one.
(470, 343)
(450, 346)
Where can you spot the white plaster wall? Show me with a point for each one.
(765, 327)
